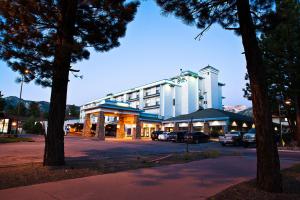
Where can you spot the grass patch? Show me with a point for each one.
(248, 191)
(14, 139)
(34, 173)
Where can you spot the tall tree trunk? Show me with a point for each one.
(297, 105)
(54, 143)
(268, 165)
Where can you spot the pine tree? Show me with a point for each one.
(2, 102)
(34, 110)
(246, 19)
(73, 111)
(281, 46)
(47, 37)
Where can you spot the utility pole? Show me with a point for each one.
(20, 99)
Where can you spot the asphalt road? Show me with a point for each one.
(86, 148)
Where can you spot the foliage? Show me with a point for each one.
(34, 110)
(72, 111)
(29, 32)
(23, 111)
(205, 13)
(33, 126)
(20, 109)
(2, 102)
(281, 46)
(14, 139)
(44, 39)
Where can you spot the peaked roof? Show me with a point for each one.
(212, 114)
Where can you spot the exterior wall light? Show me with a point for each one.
(234, 123)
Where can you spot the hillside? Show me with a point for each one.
(248, 112)
(13, 101)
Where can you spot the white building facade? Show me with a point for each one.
(178, 95)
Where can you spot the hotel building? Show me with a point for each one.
(146, 106)
(178, 95)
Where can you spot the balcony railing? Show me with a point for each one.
(148, 94)
(156, 105)
(133, 98)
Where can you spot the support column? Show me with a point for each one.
(190, 127)
(176, 126)
(87, 125)
(121, 129)
(137, 134)
(157, 128)
(225, 129)
(206, 128)
(100, 128)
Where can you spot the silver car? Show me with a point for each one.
(163, 136)
(249, 138)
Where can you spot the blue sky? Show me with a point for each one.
(155, 47)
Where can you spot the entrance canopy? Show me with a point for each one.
(131, 122)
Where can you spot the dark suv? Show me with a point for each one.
(177, 136)
(154, 134)
(196, 137)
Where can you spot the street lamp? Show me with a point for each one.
(280, 99)
(288, 102)
(20, 99)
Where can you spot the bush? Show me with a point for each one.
(32, 126)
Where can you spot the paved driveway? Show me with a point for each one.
(194, 180)
(82, 148)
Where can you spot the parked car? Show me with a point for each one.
(249, 138)
(155, 134)
(163, 136)
(196, 137)
(232, 137)
(177, 136)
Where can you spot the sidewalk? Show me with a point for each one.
(195, 180)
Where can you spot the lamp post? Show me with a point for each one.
(286, 102)
(279, 115)
(20, 99)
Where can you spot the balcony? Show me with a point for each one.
(130, 99)
(149, 95)
(150, 106)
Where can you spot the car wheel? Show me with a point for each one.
(246, 145)
(223, 144)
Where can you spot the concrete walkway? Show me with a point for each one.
(195, 180)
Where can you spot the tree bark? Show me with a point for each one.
(297, 105)
(268, 165)
(54, 140)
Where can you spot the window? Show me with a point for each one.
(152, 91)
(134, 95)
(152, 102)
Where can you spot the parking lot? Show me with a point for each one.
(87, 148)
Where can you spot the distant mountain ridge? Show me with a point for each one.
(247, 112)
(235, 109)
(44, 105)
